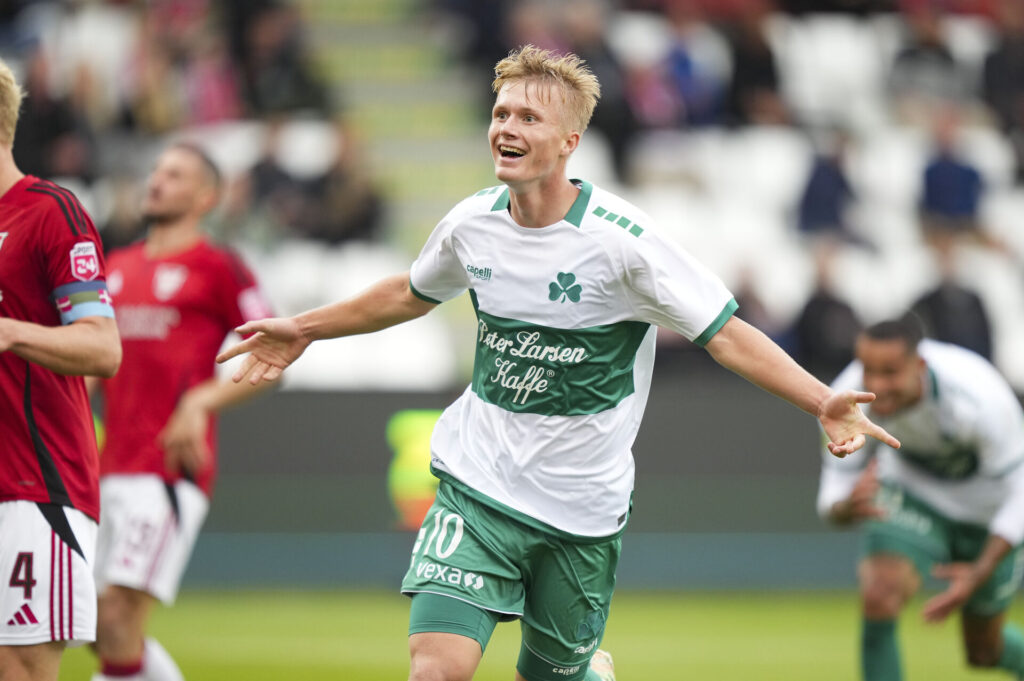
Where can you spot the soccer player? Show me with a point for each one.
(568, 282)
(177, 297)
(56, 325)
(948, 504)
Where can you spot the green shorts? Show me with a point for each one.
(927, 538)
(474, 565)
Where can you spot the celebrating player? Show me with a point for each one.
(948, 504)
(56, 325)
(177, 297)
(534, 458)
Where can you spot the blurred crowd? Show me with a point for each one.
(109, 81)
(691, 66)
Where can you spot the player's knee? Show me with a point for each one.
(118, 623)
(431, 667)
(883, 599)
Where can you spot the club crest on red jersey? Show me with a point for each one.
(168, 279)
(85, 262)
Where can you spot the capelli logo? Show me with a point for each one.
(483, 273)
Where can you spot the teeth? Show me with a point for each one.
(510, 150)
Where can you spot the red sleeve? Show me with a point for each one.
(70, 245)
(243, 300)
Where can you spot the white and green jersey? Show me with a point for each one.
(962, 445)
(564, 350)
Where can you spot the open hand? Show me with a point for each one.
(274, 344)
(846, 425)
(962, 583)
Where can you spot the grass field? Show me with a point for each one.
(360, 636)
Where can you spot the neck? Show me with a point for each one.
(542, 206)
(164, 239)
(9, 173)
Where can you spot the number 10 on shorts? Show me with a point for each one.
(444, 523)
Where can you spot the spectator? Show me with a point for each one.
(953, 313)
(753, 97)
(825, 329)
(586, 23)
(54, 138)
(698, 64)
(924, 72)
(827, 193)
(1003, 77)
(276, 72)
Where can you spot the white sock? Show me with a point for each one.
(157, 664)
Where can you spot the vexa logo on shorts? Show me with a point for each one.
(450, 575)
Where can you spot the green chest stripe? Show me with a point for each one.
(527, 368)
(954, 462)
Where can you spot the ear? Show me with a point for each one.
(570, 142)
(207, 200)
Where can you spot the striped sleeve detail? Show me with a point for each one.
(74, 215)
(82, 299)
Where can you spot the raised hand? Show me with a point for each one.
(274, 344)
(846, 425)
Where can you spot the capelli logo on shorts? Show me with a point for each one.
(449, 575)
(566, 671)
(583, 651)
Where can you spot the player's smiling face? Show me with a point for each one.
(892, 371)
(529, 138)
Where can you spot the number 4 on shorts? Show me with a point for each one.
(21, 576)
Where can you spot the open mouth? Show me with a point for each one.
(510, 152)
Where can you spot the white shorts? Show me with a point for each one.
(146, 537)
(46, 585)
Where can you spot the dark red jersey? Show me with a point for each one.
(51, 273)
(173, 314)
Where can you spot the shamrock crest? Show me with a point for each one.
(565, 287)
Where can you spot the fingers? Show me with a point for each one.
(840, 450)
(235, 350)
(862, 397)
(883, 435)
(247, 366)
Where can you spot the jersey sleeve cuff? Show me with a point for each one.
(716, 325)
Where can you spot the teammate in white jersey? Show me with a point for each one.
(568, 282)
(948, 504)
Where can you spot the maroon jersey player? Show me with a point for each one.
(56, 325)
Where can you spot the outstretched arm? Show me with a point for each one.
(741, 348)
(278, 342)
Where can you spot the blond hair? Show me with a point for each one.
(579, 86)
(10, 104)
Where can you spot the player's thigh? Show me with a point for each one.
(148, 530)
(48, 593)
(439, 655)
(39, 662)
(569, 592)
(900, 548)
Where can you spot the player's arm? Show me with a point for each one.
(183, 437)
(745, 350)
(87, 346)
(278, 342)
